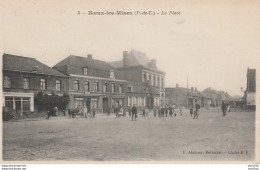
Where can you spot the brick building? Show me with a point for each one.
(93, 83)
(184, 97)
(145, 82)
(24, 77)
(176, 96)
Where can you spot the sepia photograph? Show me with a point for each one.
(129, 81)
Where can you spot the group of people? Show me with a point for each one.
(161, 112)
(225, 107)
(195, 111)
(165, 111)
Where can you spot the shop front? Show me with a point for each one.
(20, 102)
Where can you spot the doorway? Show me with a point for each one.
(105, 105)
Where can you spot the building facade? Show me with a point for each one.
(249, 94)
(144, 78)
(93, 83)
(23, 78)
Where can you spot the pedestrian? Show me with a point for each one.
(170, 111)
(224, 108)
(228, 108)
(129, 111)
(50, 112)
(159, 112)
(191, 111)
(175, 111)
(143, 115)
(154, 112)
(134, 112)
(116, 110)
(180, 111)
(85, 112)
(196, 113)
(162, 111)
(94, 112)
(124, 111)
(166, 112)
(146, 112)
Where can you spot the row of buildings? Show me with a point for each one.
(134, 80)
(187, 97)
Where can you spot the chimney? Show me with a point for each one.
(89, 56)
(125, 58)
(191, 89)
(153, 63)
(177, 85)
(195, 88)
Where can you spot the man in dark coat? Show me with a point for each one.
(196, 113)
(224, 108)
(134, 112)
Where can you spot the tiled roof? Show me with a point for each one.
(27, 64)
(135, 58)
(85, 62)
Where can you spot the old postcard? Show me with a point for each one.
(130, 81)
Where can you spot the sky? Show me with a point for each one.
(211, 43)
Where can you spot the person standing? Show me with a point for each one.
(134, 112)
(170, 111)
(196, 114)
(143, 115)
(129, 111)
(180, 111)
(191, 111)
(154, 112)
(224, 108)
(85, 112)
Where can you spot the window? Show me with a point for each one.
(162, 82)
(78, 102)
(113, 88)
(76, 85)
(58, 85)
(130, 88)
(94, 103)
(150, 78)
(26, 83)
(26, 104)
(144, 77)
(85, 71)
(158, 81)
(96, 86)
(120, 88)
(7, 82)
(129, 101)
(154, 80)
(43, 84)
(146, 90)
(112, 74)
(105, 87)
(86, 86)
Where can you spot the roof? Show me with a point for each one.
(78, 61)
(27, 64)
(135, 58)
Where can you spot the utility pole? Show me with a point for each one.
(187, 92)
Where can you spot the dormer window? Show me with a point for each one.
(85, 71)
(112, 74)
